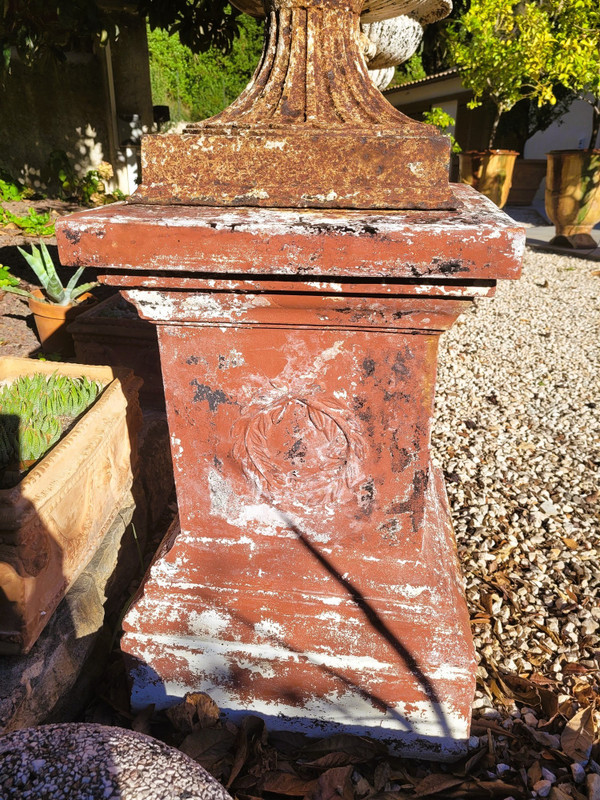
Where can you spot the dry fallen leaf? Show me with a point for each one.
(577, 738)
(209, 747)
(333, 784)
(252, 731)
(207, 710)
(361, 749)
(286, 784)
(336, 759)
(534, 774)
(433, 784)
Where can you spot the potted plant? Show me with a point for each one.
(445, 124)
(573, 176)
(55, 511)
(54, 304)
(498, 47)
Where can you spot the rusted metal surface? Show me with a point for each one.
(375, 10)
(310, 130)
(477, 242)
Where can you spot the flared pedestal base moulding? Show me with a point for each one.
(312, 578)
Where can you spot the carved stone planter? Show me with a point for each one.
(112, 333)
(52, 521)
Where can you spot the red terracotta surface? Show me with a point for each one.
(475, 242)
(316, 562)
(314, 579)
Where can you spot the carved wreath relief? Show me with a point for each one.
(300, 449)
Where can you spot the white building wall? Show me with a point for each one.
(571, 132)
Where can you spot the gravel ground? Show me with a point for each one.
(517, 433)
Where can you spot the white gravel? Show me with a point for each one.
(517, 433)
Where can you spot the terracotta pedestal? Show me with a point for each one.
(314, 580)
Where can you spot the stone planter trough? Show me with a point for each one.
(53, 520)
(113, 333)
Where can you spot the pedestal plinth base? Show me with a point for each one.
(314, 580)
(337, 657)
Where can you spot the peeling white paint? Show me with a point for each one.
(210, 621)
(421, 725)
(268, 628)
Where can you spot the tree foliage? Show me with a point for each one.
(200, 24)
(196, 86)
(501, 48)
(39, 29)
(574, 57)
(411, 70)
(435, 52)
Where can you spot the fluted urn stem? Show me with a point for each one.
(310, 131)
(312, 72)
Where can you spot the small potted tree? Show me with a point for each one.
(53, 305)
(573, 176)
(498, 47)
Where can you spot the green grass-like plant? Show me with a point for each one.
(41, 263)
(32, 223)
(36, 409)
(6, 278)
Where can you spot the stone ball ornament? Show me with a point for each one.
(79, 761)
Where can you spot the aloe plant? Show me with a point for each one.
(34, 411)
(41, 263)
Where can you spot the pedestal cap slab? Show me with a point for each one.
(477, 242)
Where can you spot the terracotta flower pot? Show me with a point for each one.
(573, 196)
(51, 321)
(490, 172)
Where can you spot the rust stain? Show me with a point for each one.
(310, 130)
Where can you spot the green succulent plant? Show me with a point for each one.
(41, 263)
(34, 411)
